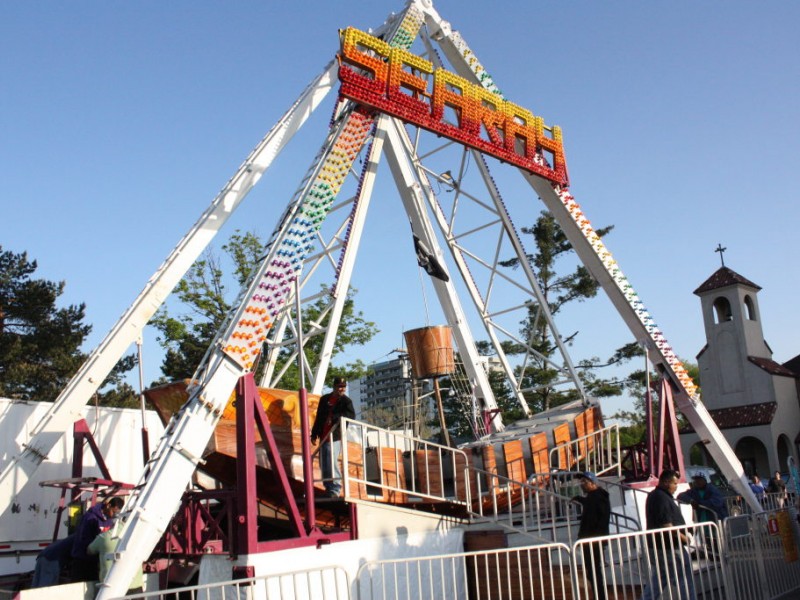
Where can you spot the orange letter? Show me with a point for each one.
(520, 130)
(490, 115)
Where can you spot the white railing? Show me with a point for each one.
(393, 467)
(737, 506)
(626, 565)
(762, 554)
(597, 452)
(524, 507)
(324, 583)
(530, 572)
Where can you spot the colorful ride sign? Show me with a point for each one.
(404, 85)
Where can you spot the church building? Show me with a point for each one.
(754, 400)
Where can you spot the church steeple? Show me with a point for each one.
(735, 338)
(730, 304)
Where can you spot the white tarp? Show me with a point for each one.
(117, 432)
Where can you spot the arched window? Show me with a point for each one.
(722, 310)
(749, 308)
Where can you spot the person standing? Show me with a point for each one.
(95, 521)
(51, 561)
(672, 570)
(594, 523)
(705, 499)
(777, 489)
(758, 489)
(332, 407)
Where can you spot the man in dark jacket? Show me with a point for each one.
(705, 499)
(671, 566)
(95, 521)
(332, 407)
(594, 522)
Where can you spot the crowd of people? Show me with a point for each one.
(670, 572)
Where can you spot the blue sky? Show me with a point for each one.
(120, 122)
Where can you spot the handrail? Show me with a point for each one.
(417, 470)
(426, 472)
(597, 452)
(623, 488)
(524, 508)
(617, 517)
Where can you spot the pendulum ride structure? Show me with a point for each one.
(438, 119)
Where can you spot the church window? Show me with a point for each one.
(722, 310)
(749, 308)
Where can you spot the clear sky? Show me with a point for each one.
(120, 122)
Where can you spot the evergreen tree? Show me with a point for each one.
(40, 344)
(558, 289)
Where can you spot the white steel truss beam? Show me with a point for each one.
(414, 195)
(237, 346)
(601, 264)
(487, 304)
(67, 407)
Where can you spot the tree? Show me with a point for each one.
(558, 289)
(40, 344)
(354, 330)
(636, 384)
(203, 293)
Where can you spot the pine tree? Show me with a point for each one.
(559, 288)
(40, 344)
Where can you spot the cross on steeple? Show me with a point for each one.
(721, 250)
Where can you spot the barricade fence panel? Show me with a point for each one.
(676, 562)
(762, 554)
(755, 557)
(324, 583)
(535, 572)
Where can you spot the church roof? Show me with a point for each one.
(723, 277)
(741, 416)
(771, 367)
(793, 365)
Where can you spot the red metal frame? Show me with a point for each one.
(195, 530)
(661, 448)
(78, 484)
(250, 412)
(669, 454)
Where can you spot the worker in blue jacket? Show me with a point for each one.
(707, 501)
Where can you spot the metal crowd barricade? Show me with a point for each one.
(762, 554)
(658, 558)
(324, 583)
(527, 572)
(774, 501)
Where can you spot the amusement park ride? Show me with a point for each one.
(389, 101)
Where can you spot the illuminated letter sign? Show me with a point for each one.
(406, 86)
